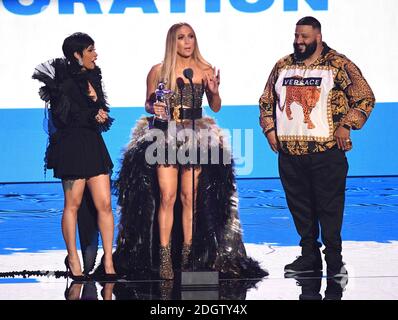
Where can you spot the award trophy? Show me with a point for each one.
(162, 95)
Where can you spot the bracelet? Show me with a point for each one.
(348, 127)
(265, 132)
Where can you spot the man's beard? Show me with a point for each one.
(308, 52)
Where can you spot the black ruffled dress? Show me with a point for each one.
(76, 148)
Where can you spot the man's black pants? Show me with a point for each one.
(315, 192)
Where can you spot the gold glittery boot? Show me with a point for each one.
(186, 251)
(166, 265)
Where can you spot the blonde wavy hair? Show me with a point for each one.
(167, 72)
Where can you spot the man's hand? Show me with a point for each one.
(342, 136)
(273, 141)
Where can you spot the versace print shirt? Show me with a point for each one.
(306, 104)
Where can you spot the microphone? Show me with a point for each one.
(180, 85)
(188, 73)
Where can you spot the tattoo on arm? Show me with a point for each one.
(68, 184)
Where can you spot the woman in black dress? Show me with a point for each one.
(76, 152)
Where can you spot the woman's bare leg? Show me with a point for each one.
(186, 199)
(168, 181)
(100, 189)
(73, 193)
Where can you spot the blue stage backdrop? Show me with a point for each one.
(24, 141)
(242, 38)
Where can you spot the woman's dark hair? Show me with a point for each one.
(76, 42)
(309, 21)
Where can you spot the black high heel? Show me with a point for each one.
(71, 275)
(107, 277)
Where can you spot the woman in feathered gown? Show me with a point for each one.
(155, 183)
